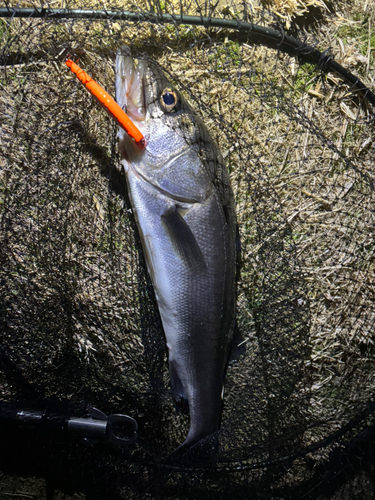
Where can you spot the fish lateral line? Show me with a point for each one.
(108, 103)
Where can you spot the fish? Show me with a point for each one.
(184, 207)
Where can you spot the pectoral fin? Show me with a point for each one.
(183, 240)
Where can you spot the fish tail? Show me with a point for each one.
(193, 451)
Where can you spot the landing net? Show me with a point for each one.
(79, 324)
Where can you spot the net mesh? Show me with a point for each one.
(78, 317)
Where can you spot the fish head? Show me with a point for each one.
(176, 138)
(153, 104)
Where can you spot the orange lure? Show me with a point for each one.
(108, 103)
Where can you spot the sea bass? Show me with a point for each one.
(184, 206)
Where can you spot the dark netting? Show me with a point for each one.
(79, 321)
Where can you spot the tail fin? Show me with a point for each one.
(193, 452)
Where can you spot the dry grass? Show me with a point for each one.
(288, 10)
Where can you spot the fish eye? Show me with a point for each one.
(169, 99)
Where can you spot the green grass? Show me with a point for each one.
(226, 55)
(361, 33)
(304, 77)
(3, 27)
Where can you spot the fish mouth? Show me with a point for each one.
(130, 85)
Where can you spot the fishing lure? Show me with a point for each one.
(108, 103)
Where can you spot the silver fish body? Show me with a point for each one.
(180, 193)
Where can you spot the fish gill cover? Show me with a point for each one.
(79, 324)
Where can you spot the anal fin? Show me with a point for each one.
(179, 394)
(177, 387)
